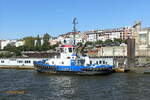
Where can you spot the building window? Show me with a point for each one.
(103, 62)
(12, 59)
(2, 61)
(100, 62)
(20, 61)
(27, 61)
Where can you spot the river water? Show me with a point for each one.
(31, 85)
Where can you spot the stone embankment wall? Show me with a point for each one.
(141, 64)
(121, 51)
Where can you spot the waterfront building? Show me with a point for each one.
(142, 39)
(18, 61)
(103, 37)
(135, 33)
(105, 34)
(16, 43)
(6, 42)
(41, 42)
(53, 41)
(144, 36)
(68, 37)
(101, 60)
(127, 32)
(91, 36)
(113, 51)
(19, 43)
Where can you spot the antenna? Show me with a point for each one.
(74, 29)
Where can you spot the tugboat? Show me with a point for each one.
(70, 62)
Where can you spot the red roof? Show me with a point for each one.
(67, 46)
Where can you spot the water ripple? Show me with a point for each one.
(30, 85)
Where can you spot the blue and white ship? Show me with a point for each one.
(70, 63)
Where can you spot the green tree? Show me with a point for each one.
(17, 52)
(118, 41)
(100, 42)
(53, 47)
(29, 43)
(21, 48)
(89, 43)
(125, 41)
(10, 48)
(108, 42)
(46, 43)
(79, 44)
(1, 55)
(38, 46)
(38, 42)
(46, 37)
(8, 54)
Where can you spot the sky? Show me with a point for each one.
(21, 18)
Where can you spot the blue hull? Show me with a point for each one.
(79, 70)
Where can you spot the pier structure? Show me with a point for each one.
(130, 54)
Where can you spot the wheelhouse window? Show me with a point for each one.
(52, 62)
(70, 49)
(97, 62)
(103, 62)
(90, 62)
(81, 62)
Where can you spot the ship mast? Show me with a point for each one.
(74, 29)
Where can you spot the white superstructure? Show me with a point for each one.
(18, 61)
